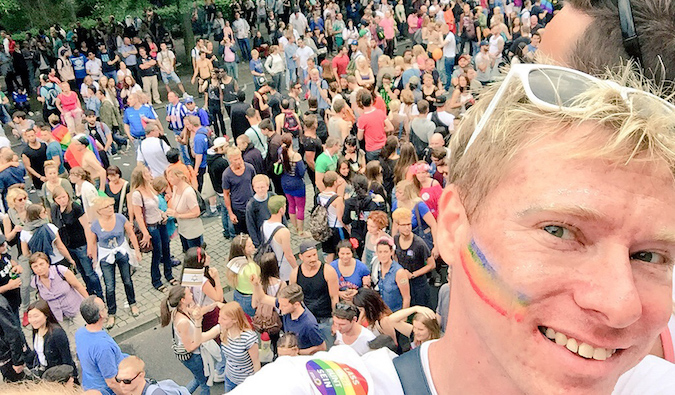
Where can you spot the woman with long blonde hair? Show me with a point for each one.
(239, 345)
(423, 221)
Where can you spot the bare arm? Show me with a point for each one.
(313, 350)
(253, 353)
(403, 287)
(214, 292)
(285, 240)
(319, 181)
(75, 283)
(332, 280)
(259, 295)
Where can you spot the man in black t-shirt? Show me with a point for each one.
(9, 278)
(413, 254)
(34, 156)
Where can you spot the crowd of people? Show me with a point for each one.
(380, 140)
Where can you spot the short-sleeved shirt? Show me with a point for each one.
(131, 59)
(421, 207)
(153, 214)
(360, 345)
(415, 256)
(201, 145)
(305, 327)
(353, 281)
(53, 150)
(239, 186)
(70, 229)
(372, 124)
(132, 117)
(325, 162)
(113, 238)
(238, 365)
(183, 202)
(11, 176)
(13, 296)
(99, 357)
(340, 64)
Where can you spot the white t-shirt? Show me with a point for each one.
(152, 151)
(360, 345)
(449, 49)
(4, 142)
(165, 60)
(55, 256)
(372, 373)
(93, 68)
(87, 192)
(304, 54)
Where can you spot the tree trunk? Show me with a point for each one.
(188, 34)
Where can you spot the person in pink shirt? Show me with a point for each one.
(387, 24)
(340, 62)
(373, 126)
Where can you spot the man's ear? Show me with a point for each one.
(453, 225)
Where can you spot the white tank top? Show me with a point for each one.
(284, 267)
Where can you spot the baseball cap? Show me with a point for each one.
(189, 99)
(307, 245)
(441, 100)
(354, 42)
(219, 142)
(484, 42)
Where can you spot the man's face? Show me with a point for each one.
(463, 62)
(582, 250)
(260, 188)
(343, 325)
(310, 257)
(535, 40)
(190, 105)
(236, 161)
(127, 41)
(103, 309)
(405, 227)
(91, 119)
(285, 306)
(129, 373)
(29, 135)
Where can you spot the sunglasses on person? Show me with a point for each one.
(347, 307)
(127, 381)
(559, 88)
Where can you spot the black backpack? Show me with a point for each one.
(321, 128)
(266, 246)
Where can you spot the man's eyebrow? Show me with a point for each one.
(571, 210)
(665, 236)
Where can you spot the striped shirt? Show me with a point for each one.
(238, 365)
(176, 115)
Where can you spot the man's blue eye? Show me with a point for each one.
(558, 231)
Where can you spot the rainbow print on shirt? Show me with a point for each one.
(333, 378)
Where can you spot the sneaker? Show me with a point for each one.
(24, 320)
(210, 214)
(185, 95)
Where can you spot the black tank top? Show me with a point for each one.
(317, 297)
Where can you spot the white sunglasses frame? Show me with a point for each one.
(521, 71)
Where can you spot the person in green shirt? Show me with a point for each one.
(327, 161)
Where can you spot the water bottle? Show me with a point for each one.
(266, 354)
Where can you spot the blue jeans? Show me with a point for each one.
(196, 367)
(111, 74)
(189, 243)
(228, 228)
(185, 155)
(245, 48)
(325, 325)
(245, 302)
(160, 254)
(122, 261)
(449, 64)
(373, 155)
(229, 385)
(85, 266)
(232, 70)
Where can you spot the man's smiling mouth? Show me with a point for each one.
(576, 347)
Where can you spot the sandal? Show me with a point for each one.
(162, 288)
(173, 281)
(135, 312)
(110, 323)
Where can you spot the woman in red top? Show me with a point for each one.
(69, 104)
(429, 189)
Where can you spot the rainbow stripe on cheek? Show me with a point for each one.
(489, 286)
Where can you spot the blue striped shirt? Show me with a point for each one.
(176, 115)
(238, 363)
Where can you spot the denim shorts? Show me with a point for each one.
(173, 77)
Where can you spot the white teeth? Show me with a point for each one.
(585, 350)
(560, 339)
(572, 345)
(582, 349)
(550, 333)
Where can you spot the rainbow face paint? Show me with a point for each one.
(489, 286)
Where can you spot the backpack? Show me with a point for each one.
(266, 246)
(321, 128)
(318, 221)
(201, 202)
(52, 93)
(437, 121)
(291, 124)
(266, 319)
(168, 386)
(379, 31)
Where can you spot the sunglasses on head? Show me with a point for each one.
(560, 88)
(127, 381)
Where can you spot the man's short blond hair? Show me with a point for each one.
(401, 214)
(232, 152)
(624, 134)
(260, 178)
